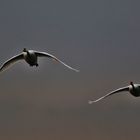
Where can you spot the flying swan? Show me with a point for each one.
(31, 57)
(134, 89)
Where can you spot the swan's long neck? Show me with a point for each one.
(131, 83)
(133, 90)
(25, 50)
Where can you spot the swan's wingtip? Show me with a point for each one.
(90, 102)
(77, 70)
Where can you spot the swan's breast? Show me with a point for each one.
(136, 90)
(30, 57)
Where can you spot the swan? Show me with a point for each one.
(31, 57)
(134, 89)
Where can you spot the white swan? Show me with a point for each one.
(31, 57)
(134, 89)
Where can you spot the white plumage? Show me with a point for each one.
(31, 57)
(134, 89)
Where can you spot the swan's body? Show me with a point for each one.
(31, 57)
(134, 89)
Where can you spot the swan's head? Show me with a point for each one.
(24, 50)
(131, 83)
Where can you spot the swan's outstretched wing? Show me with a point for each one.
(44, 54)
(113, 92)
(11, 61)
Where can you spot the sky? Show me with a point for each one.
(101, 39)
